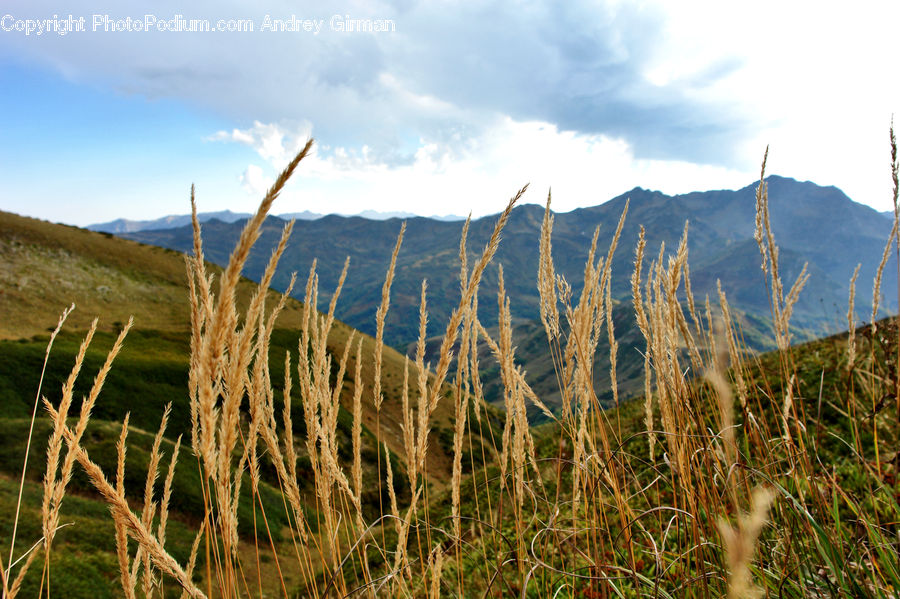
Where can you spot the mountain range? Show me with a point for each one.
(812, 224)
(124, 225)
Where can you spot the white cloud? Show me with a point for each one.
(581, 169)
(814, 78)
(467, 100)
(254, 181)
(274, 143)
(447, 70)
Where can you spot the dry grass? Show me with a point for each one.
(594, 506)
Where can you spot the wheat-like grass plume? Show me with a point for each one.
(740, 545)
(851, 321)
(12, 542)
(380, 317)
(122, 512)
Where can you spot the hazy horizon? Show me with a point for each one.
(383, 215)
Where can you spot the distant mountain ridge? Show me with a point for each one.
(811, 223)
(124, 225)
(376, 215)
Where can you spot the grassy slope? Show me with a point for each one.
(531, 350)
(841, 442)
(819, 370)
(45, 267)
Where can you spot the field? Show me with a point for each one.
(262, 448)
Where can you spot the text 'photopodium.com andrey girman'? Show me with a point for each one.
(105, 23)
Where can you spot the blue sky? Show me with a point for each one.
(450, 110)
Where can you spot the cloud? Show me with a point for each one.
(579, 65)
(254, 181)
(275, 143)
(446, 73)
(582, 169)
(702, 85)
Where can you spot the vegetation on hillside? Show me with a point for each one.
(720, 244)
(735, 475)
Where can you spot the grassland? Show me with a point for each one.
(46, 266)
(734, 475)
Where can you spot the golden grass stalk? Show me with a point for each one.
(121, 531)
(192, 560)
(895, 178)
(409, 428)
(12, 542)
(20, 577)
(149, 511)
(286, 417)
(504, 357)
(357, 424)
(547, 277)
(416, 452)
(851, 321)
(740, 545)
(786, 408)
(389, 479)
(733, 353)
(463, 255)
(219, 326)
(198, 320)
(381, 315)
(54, 446)
(436, 565)
(285, 465)
(198, 265)
(461, 412)
(716, 377)
(613, 345)
(122, 511)
(401, 557)
(644, 326)
(474, 368)
(474, 280)
(54, 489)
(876, 287)
(221, 356)
(781, 306)
(762, 233)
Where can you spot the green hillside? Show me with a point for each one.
(733, 474)
(47, 266)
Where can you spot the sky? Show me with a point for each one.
(111, 109)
